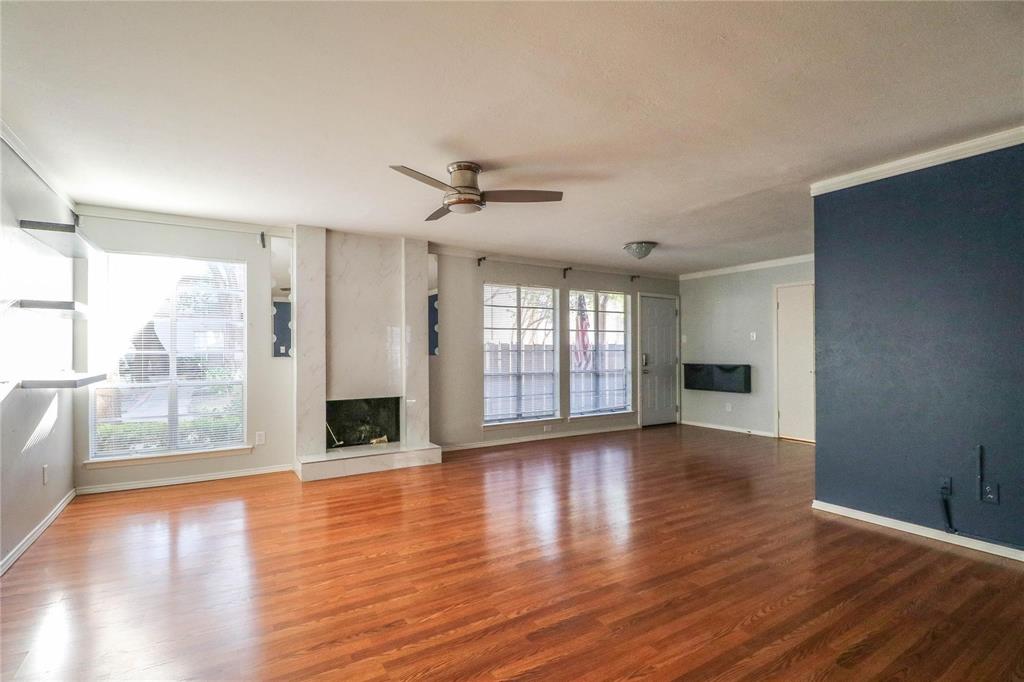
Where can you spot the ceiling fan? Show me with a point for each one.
(462, 193)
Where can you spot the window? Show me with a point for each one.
(520, 353)
(599, 353)
(175, 329)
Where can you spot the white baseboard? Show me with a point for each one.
(923, 531)
(537, 436)
(20, 548)
(737, 429)
(177, 480)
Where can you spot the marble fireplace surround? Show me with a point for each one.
(359, 331)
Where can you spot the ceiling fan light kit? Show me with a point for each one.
(462, 192)
(639, 250)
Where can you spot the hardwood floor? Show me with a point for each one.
(675, 552)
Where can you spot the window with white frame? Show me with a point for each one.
(599, 379)
(174, 329)
(520, 353)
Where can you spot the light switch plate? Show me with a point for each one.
(261, 438)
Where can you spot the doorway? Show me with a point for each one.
(794, 338)
(659, 359)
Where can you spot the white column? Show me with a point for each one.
(415, 355)
(309, 339)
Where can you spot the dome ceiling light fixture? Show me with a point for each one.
(639, 250)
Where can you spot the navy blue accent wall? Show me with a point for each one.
(432, 329)
(282, 332)
(919, 300)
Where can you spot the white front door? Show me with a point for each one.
(659, 375)
(795, 329)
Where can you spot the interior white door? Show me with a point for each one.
(795, 329)
(659, 389)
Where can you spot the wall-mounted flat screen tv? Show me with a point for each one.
(724, 378)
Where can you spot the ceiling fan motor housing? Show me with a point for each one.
(464, 178)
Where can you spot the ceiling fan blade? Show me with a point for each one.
(439, 213)
(425, 179)
(520, 195)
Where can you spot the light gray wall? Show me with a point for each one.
(718, 315)
(268, 380)
(35, 425)
(456, 375)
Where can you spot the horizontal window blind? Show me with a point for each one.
(176, 334)
(599, 379)
(520, 360)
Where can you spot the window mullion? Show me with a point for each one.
(598, 377)
(519, 352)
(172, 388)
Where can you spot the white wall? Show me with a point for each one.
(718, 314)
(456, 375)
(35, 425)
(268, 381)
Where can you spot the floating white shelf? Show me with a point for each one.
(6, 387)
(64, 380)
(64, 308)
(64, 238)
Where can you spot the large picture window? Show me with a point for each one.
(520, 353)
(599, 379)
(175, 329)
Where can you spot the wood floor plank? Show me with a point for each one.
(668, 553)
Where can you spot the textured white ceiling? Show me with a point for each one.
(696, 125)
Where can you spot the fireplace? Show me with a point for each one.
(362, 421)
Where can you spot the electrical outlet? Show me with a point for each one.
(946, 487)
(753, 336)
(46, 474)
(261, 438)
(728, 407)
(683, 338)
(990, 493)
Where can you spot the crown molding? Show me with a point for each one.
(760, 265)
(954, 152)
(93, 211)
(42, 172)
(458, 252)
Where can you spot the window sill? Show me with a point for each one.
(520, 422)
(125, 461)
(596, 415)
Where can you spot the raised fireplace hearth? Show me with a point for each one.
(362, 421)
